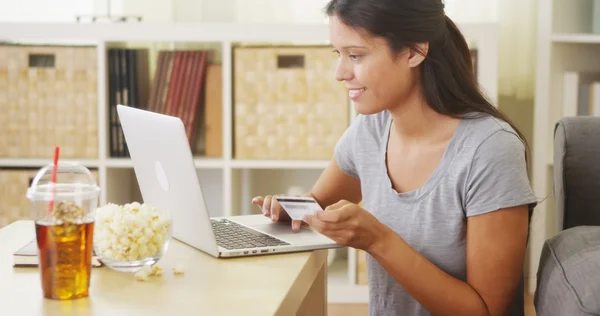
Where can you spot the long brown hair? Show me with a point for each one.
(447, 77)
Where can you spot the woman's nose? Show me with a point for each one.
(342, 71)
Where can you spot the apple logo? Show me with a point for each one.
(161, 176)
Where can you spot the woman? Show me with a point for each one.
(441, 173)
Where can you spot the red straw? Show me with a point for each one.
(53, 180)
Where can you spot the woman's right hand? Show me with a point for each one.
(271, 208)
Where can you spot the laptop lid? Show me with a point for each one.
(166, 174)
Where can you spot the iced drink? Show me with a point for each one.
(64, 228)
(65, 251)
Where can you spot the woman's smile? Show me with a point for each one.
(354, 94)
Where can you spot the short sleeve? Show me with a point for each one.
(344, 149)
(498, 176)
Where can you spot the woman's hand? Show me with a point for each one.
(350, 225)
(271, 208)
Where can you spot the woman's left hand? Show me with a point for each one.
(348, 224)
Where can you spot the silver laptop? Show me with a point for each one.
(167, 177)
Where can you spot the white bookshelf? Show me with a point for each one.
(565, 42)
(38, 163)
(228, 183)
(575, 38)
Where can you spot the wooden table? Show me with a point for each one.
(283, 284)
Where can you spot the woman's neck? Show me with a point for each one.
(415, 121)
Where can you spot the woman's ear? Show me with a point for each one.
(418, 54)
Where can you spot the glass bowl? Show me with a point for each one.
(129, 237)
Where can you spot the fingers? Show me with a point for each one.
(269, 207)
(296, 225)
(336, 205)
(275, 210)
(264, 203)
(337, 232)
(258, 201)
(272, 209)
(325, 228)
(344, 212)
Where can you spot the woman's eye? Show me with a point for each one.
(355, 57)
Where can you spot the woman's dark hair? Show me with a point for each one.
(447, 76)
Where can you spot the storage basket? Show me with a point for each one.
(48, 95)
(287, 104)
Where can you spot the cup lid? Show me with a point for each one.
(73, 181)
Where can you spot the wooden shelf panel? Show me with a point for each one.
(200, 163)
(38, 163)
(211, 163)
(279, 164)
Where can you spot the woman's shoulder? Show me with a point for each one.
(490, 131)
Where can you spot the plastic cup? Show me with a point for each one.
(64, 226)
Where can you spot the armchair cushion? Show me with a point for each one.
(577, 171)
(569, 273)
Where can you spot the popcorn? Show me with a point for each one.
(178, 269)
(140, 276)
(157, 271)
(130, 232)
(148, 271)
(143, 274)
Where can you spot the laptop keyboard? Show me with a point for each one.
(231, 235)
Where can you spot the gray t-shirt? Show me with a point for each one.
(483, 169)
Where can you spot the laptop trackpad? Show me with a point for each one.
(282, 228)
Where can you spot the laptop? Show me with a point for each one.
(166, 174)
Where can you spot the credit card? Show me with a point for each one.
(297, 207)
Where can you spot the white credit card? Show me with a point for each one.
(297, 207)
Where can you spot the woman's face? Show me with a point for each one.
(376, 79)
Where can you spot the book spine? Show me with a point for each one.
(198, 93)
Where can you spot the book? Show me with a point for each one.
(27, 256)
(578, 95)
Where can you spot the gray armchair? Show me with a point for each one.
(568, 277)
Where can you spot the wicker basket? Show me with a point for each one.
(287, 104)
(49, 98)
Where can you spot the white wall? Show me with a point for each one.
(211, 11)
(243, 11)
(44, 10)
(472, 11)
(151, 11)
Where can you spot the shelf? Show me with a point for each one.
(202, 163)
(279, 164)
(213, 163)
(38, 163)
(119, 163)
(209, 163)
(576, 38)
